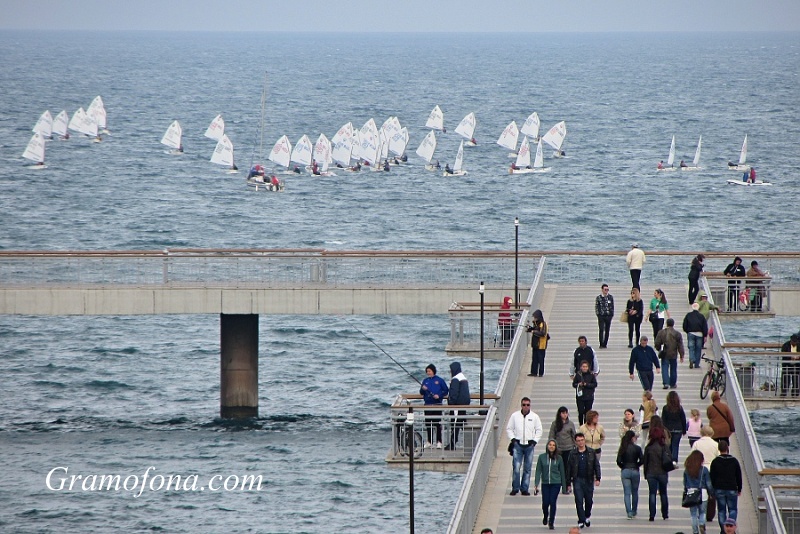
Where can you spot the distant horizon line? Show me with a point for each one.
(397, 32)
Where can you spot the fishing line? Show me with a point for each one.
(380, 348)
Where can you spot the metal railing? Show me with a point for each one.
(472, 490)
(741, 295)
(465, 329)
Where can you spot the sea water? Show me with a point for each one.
(116, 395)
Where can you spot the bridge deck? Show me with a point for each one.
(569, 311)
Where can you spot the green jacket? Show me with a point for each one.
(706, 307)
(550, 471)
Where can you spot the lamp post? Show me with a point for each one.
(411, 451)
(480, 290)
(516, 261)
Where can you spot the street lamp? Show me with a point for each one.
(411, 451)
(516, 261)
(480, 290)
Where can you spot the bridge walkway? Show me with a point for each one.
(569, 311)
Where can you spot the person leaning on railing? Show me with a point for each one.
(757, 287)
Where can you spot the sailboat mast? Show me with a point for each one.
(263, 114)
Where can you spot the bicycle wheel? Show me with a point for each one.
(419, 444)
(705, 384)
(721, 382)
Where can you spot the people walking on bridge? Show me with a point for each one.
(671, 341)
(539, 336)
(604, 310)
(674, 418)
(695, 269)
(657, 478)
(726, 477)
(635, 310)
(583, 352)
(629, 460)
(696, 328)
(635, 260)
(433, 390)
(584, 383)
(593, 432)
(710, 450)
(720, 418)
(698, 479)
(457, 396)
(562, 430)
(583, 475)
(644, 358)
(658, 311)
(524, 431)
(551, 472)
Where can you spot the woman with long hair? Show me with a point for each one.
(562, 430)
(696, 476)
(654, 473)
(647, 410)
(694, 277)
(629, 460)
(658, 311)
(551, 472)
(594, 432)
(675, 422)
(635, 310)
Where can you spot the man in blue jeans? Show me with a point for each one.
(671, 341)
(583, 474)
(696, 328)
(726, 477)
(524, 429)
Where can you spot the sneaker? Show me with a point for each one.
(581, 525)
(551, 526)
(513, 492)
(526, 493)
(438, 444)
(630, 517)
(665, 386)
(588, 523)
(630, 346)
(427, 445)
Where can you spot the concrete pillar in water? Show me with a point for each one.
(238, 366)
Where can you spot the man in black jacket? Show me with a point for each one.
(583, 474)
(696, 328)
(790, 367)
(726, 477)
(604, 309)
(458, 396)
(584, 353)
(644, 358)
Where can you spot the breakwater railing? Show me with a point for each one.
(761, 492)
(311, 267)
(472, 490)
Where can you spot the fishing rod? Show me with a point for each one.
(380, 348)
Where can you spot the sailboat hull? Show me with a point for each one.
(758, 183)
(666, 169)
(738, 167)
(455, 173)
(691, 168)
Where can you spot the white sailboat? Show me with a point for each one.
(301, 153)
(172, 138)
(322, 156)
(398, 144)
(35, 151)
(458, 166)
(436, 119)
(369, 150)
(670, 166)
(256, 177)
(97, 112)
(342, 142)
(60, 125)
(216, 129)
(538, 162)
(466, 129)
(742, 158)
(522, 165)
(696, 161)
(555, 138)
(44, 125)
(426, 150)
(508, 139)
(82, 123)
(531, 127)
(223, 154)
(281, 154)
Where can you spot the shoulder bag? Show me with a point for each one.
(666, 460)
(693, 496)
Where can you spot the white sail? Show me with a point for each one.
(302, 151)
(508, 139)
(223, 153)
(671, 158)
(97, 112)
(44, 125)
(696, 159)
(342, 143)
(384, 140)
(427, 147)
(82, 123)
(60, 124)
(322, 152)
(466, 128)
(35, 149)
(368, 135)
(531, 126)
(435, 119)
(356, 154)
(459, 164)
(524, 155)
(281, 152)
(555, 135)
(216, 129)
(172, 137)
(399, 142)
(743, 153)
(538, 162)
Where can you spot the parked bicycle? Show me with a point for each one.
(404, 439)
(714, 379)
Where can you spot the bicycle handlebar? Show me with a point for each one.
(720, 363)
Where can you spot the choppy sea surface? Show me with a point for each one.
(119, 394)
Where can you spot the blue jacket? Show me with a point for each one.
(644, 358)
(435, 386)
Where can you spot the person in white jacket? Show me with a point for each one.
(524, 429)
(635, 260)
